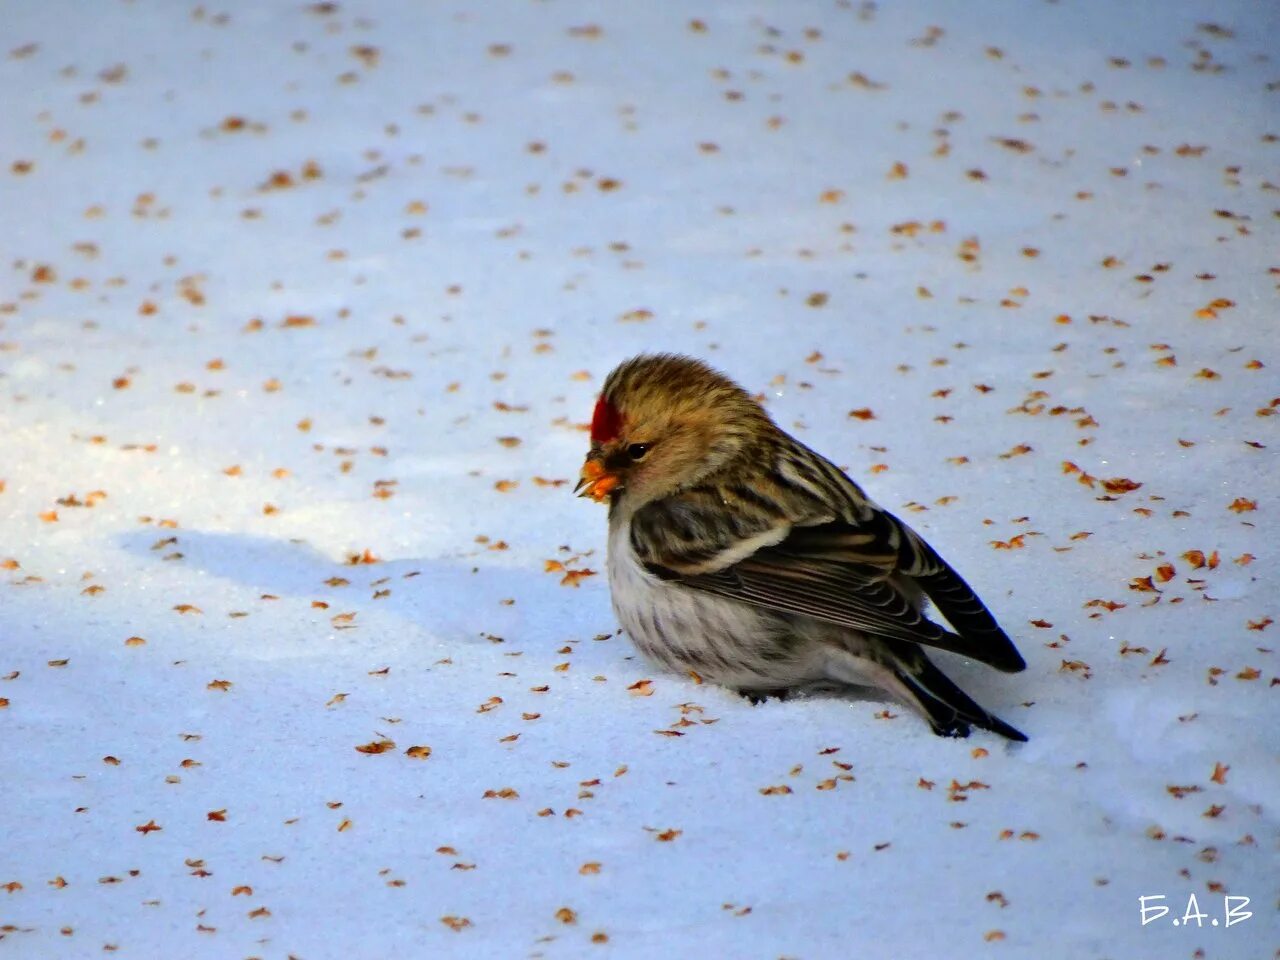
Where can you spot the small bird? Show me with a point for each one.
(740, 556)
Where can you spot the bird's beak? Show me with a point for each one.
(595, 482)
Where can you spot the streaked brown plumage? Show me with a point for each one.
(739, 554)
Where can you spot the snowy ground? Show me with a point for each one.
(303, 307)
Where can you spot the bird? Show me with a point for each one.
(739, 556)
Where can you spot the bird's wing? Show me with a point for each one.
(956, 601)
(853, 570)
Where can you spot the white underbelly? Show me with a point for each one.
(722, 641)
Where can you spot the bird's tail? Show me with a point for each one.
(949, 709)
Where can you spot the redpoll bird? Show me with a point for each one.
(738, 554)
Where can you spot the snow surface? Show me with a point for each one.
(287, 284)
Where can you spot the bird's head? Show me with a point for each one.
(664, 423)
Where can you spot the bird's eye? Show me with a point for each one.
(636, 451)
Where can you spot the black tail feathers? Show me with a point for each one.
(951, 711)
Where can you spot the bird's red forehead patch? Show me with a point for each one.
(606, 422)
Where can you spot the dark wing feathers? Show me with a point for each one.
(846, 594)
(841, 542)
(864, 571)
(970, 618)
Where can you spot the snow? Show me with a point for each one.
(471, 212)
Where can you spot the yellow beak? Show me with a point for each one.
(595, 482)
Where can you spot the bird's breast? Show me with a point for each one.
(683, 629)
